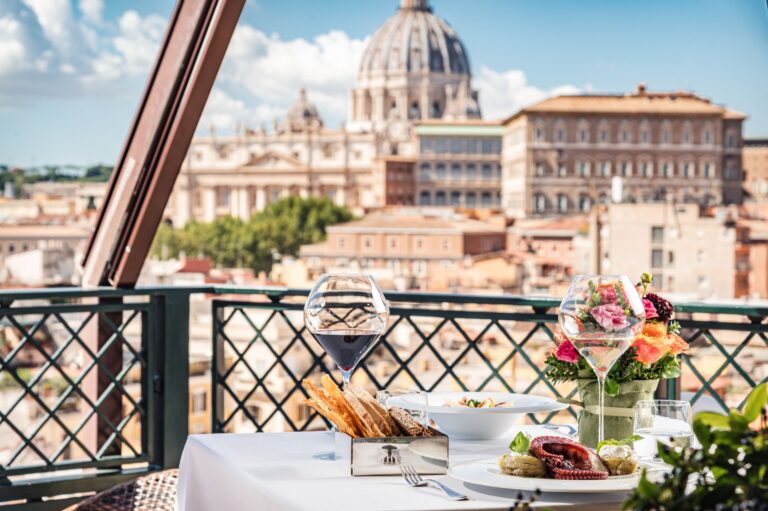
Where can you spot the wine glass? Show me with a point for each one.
(601, 316)
(662, 420)
(346, 314)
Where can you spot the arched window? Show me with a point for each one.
(562, 203)
(625, 135)
(415, 110)
(560, 134)
(583, 136)
(471, 199)
(456, 171)
(487, 171)
(562, 170)
(539, 169)
(708, 169)
(687, 169)
(440, 171)
(605, 168)
(666, 169)
(425, 172)
(471, 171)
(584, 203)
(730, 139)
(425, 198)
(625, 168)
(666, 132)
(440, 198)
(583, 167)
(645, 132)
(707, 137)
(455, 198)
(539, 133)
(485, 199)
(603, 135)
(646, 168)
(539, 203)
(687, 133)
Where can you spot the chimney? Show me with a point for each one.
(640, 89)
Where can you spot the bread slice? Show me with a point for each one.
(371, 428)
(377, 412)
(408, 424)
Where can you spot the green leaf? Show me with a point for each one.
(646, 488)
(755, 403)
(520, 443)
(713, 420)
(611, 387)
(737, 421)
(703, 432)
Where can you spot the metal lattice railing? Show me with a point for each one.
(452, 342)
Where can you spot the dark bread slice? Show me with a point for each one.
(407, 423)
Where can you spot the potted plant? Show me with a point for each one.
(728, 472)
(635, 376)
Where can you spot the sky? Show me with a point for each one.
(72, 71)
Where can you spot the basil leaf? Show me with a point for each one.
(520, 443)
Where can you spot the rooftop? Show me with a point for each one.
(639, 102)
(385, 222)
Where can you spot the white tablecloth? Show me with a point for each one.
(276, 471)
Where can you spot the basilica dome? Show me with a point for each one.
(415, 41)
(302, 115)
(414, 68)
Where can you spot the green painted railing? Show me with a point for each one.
(61, 437)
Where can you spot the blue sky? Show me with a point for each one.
(71, 71)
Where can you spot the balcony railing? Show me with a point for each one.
(95, 385)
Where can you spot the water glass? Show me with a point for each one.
(667, 421)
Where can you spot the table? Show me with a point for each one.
(276, 471)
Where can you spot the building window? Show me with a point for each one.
(560, 134)
(457, 146)
(456, 172)
(539, 134)
(224, 197)
(583, 168)
(625, 169)
(708, 170)
(440, 198)
(657, 259)
(584, 135)
(603, 132)
(425, 172)
(539, 203)
(471, 199)
(539, 169)
(455, 198)
(687, 133)
(415, 110)
(198, 401)
(418, 242)
(445, 243)
(670, 258)
(730, 139)
(562, 203)
(657, 234)
(487, 172)
(11, 248)
(392, 242)
(625, 136)
(562, 170)
(646, 169)
(687, 169)
(425, 199)
(584, 203)
(666, 134)
(645, 133)
(471, 171)
(707, 137)
(605, 168)
(666, 169)
(440, 171)
(367, 242)
(730, 171)
(485, 199)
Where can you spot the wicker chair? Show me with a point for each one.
(155, 492)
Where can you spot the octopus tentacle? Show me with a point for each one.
(566, 459)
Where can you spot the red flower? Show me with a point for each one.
(607, 293)
(647, 353)
(567, 352)
(609, 316)
(650, 309)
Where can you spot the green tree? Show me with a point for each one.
(229, 242)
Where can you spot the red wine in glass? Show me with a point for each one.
(346, 347)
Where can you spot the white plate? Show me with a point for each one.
(465, 423)
(521, 403)
(486, 472)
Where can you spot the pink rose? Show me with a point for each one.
(609, 316)
(650, 309)
(567, 352)
(607, 293)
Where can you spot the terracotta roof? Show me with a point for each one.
(202, 265)
(671, 103)
(42, 231)
(415, 222)
(567, 224)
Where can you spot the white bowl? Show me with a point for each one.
(465, 423)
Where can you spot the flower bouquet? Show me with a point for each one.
(652, 356)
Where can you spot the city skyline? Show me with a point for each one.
(73, 102)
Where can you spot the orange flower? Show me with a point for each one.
(647, 353)
(654, 342)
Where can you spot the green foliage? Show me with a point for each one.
(624, 370)
(729, 472)
(520, 443)
(281, 228)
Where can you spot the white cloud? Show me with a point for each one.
(272, 70)
(92, 10)
(504, 93)
(55, 18)
(12, 52)
(138, 40)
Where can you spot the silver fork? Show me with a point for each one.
(414, 479)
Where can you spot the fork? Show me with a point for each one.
(414, 479)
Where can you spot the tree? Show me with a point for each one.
(229, 242)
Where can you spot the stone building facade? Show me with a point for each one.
(564, 154)
(755, 156)
(415, 67)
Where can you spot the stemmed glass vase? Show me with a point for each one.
(601, 316)
(346, 314)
